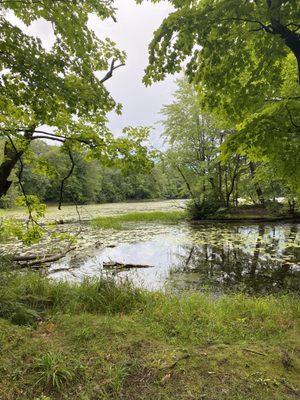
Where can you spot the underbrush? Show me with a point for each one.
(118, 221)
(103, 340)
(197, 210)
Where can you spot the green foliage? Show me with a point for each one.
(8, 201)
(119, 221)
(219, 167)
(63, 88)
(244, 59)
(208, 208)
(29, 232)
(236, 52)
(32, 203)
(72, 87)
(91, 181)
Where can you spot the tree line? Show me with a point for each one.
(91, 181)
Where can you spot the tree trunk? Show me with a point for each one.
(290, 38)
(11, 157)
(257, 187)
(230, 190)
(220, 183)
(186, 182)
(10, 160)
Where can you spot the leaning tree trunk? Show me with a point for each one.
(11, 157)
(10, 160)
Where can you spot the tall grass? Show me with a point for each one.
(26, 297)
(108, 340)
(118, 221)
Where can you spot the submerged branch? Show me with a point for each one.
(120, 266)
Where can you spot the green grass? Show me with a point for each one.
(102, 340)
(119, 221)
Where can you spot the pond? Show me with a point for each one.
(214, 257)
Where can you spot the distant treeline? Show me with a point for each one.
(90, 181)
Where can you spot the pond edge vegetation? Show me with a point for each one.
(62, 338)
(119, 222)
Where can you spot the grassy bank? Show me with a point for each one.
(100, 340)
(119, 221)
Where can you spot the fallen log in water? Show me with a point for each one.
(120, 266)
(36, 260)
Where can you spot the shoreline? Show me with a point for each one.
(244, 220)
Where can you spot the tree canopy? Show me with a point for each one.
(214, 181)
(244, 59)
(62, 87)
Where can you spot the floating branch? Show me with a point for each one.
(120, 266)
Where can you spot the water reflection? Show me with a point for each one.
(260, 258)
(270, 263)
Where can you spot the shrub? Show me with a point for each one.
(203, 209)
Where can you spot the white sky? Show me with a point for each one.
(132, 33)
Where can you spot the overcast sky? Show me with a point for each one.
(132, 33)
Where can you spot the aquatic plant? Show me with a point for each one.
(119, 221)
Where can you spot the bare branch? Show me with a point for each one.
(49, 138)
(65, 179)
(52, 136)
(113, 67)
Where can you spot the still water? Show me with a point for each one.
(253, 258)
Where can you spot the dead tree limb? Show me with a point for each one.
(113, 67)
(31, 260)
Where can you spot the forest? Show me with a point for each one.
(91, 182)
(149, 199)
